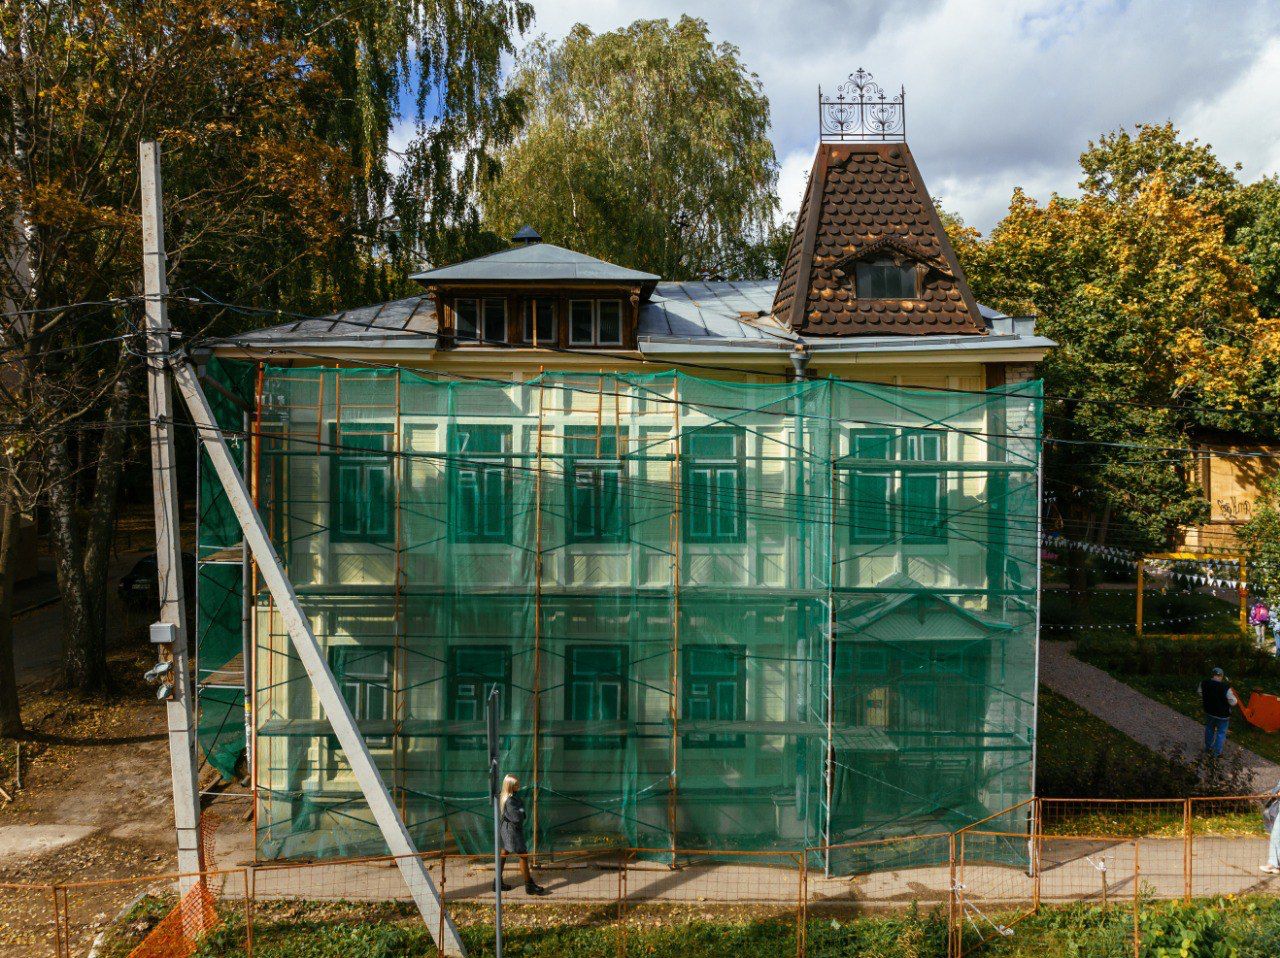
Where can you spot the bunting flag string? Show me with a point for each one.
(1214, 573)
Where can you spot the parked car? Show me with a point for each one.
(139, 587)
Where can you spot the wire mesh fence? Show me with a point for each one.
(1114, 872)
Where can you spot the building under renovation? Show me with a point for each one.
(753, 565)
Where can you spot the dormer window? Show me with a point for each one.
(487, 317)
(595, 322)
(540, 318)
(885, 279)
(538, 295)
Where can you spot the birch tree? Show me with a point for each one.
(646, 146)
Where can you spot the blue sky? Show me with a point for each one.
(999, 94)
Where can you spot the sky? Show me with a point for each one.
(999, 94)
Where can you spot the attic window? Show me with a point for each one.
(885, 279)
(483, 319)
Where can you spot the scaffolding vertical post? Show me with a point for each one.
(255, 451)
(1137, 903)
(829, 746)
(677, 476)
(164, 480)
(537, 616)
(399, 654)
(246, 620)
(1188, 850)
(332, 702)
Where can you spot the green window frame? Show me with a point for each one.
(595, 690)
(473, 672)
(713, 470)
(594, 475)
(924, 492)
(872, 508)
(713, 686)
(480, 487)
(361, 483)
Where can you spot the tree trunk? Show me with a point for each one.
(101, 522)
(10, 706)
(85, 663)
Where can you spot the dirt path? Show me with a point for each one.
(94, 803)
(1144, 720)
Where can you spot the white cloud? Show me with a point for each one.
(999, 93)
(793, 177)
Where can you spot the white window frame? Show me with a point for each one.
(482, 305)
(595, 339)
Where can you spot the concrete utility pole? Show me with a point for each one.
(332, 703)
(171, 630)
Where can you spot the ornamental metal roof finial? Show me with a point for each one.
(860, 110)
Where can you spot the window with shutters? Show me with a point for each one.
(714, 468)
(871, 487)
(361, 483)
(595, 690)
(596, 504)
(480, 485)
(892, 493)
(473, 672)
(714, 688)
(924, 502)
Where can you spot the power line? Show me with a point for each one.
(631, 358)
(976, 433)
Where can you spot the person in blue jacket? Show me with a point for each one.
(511, 832)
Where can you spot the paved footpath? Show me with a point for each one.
(1144, 720)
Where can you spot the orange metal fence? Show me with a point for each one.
(1120, 860)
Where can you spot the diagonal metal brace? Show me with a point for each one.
(425, 894)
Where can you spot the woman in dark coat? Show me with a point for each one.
(511, 831)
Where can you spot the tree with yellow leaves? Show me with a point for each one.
(1153, 309)
(275, 120)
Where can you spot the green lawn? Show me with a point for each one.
(1081, 756)
(1114, 612)
(1239, 928)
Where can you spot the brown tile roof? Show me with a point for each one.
(864, 198)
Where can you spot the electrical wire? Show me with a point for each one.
(340, 319)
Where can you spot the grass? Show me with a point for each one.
(1170, 671)
(1114, 612)
(1210, 928)
(1173, 692)
(1080, 756)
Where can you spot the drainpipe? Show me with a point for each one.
(800, 362)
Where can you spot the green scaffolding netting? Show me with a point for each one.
(220, 633)
(720, 615)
